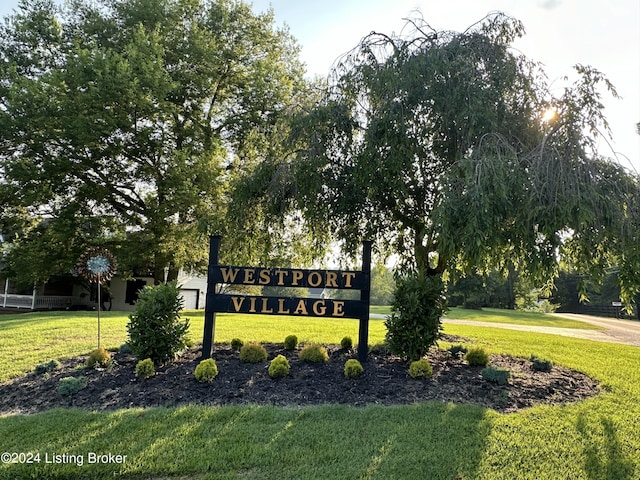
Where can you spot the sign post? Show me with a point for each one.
(293, 306)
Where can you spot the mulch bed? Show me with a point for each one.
(385, 381)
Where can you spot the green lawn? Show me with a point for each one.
(594, 439)
(518, 317)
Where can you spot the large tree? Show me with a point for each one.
(436, 144)
(119, 123)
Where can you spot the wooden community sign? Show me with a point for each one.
(295, 306)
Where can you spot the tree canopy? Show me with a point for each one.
(120, 121)
(436, 144)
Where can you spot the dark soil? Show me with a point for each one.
(385, 381)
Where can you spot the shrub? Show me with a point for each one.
(458, 350)
(145, 369)
(125, 348)
(236, 343)
(49, 366)
(314, 353)
(290, 342)
(253, 353)
(99, 358)
(541, 364)
(346, 343)
(414, 324)
(206, 371)
(71, 385)
(477, 357)
(497, 375)
(155, 328)
(279, 367)
(353, 368)
(420, 369)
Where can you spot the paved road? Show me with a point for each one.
(615, 331)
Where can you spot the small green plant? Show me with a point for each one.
(279, 367)
(206, 371)
(145, 369)
(541, 364)
(71, 385)
(353, 368)
(497, 375)
(290, 342)
(477, 357)
(346, 343)
(155, 328)
(420, 369)
(458, 351)
(253, 353)
(314, 353)
(236, 343)
(99, 358)
(46, 367)
(125, 348)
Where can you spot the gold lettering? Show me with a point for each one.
(338, 308)
(297, 275)
(331, 280)
(264, 306)
(319, 308)
(229, 275)
(301, 309)
(281, 309)
(249, 276)
(348, 276)
(314, 279)
(237, 303)
(281, 274)
(252, 304)
(265, 277)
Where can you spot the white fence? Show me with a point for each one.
(50, 302)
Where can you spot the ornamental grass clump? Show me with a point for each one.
(353, 368)
(290, 342)
(99, 358)
(497, 375)
(314, 353)
(279, 367)
(477, 357)
(346, 343)
(253, 353)
(420, 369)
(145, 369)
(206, 371)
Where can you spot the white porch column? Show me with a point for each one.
(33, 297)
(6, 292)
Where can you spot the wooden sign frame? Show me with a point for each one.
(296, 306)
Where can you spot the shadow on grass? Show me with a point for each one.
(339, 442)
(604, 456)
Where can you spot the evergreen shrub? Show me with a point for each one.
(346, 343)
(155, 328)
(541, 364)
(46, 367)
(279, 367)
(290, 342)
(420, 369)
(353, 368)
(71, 385)
(236, 344)
(253, 353)
(414, 324)
(206, 371)
(99, 358)
(497, 375)
(145, 369)
(477, 357)
(314, 353)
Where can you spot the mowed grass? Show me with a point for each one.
(595, 439)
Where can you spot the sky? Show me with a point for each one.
(559, 34)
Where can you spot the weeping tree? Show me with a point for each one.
(450, 150)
